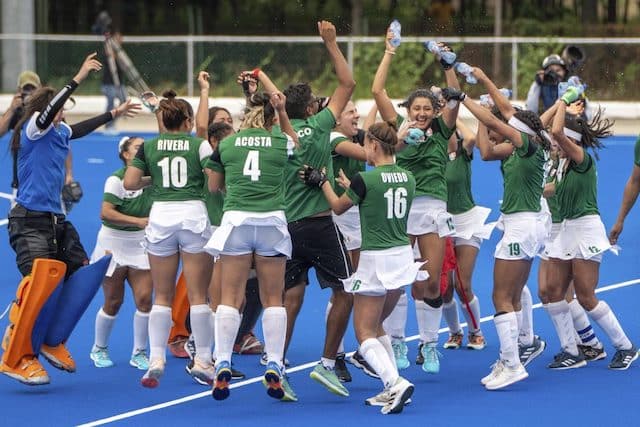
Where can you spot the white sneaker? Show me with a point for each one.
(495, 369)
(399, 393)
(151, 378)
(381, 399)
(507, 376)
(202, 372)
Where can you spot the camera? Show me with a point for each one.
(550, 78)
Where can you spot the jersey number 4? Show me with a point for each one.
(252, 165)
(174, 172)
(396, 202)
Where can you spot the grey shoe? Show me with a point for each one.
(565, 360)
(623, 359)
(528, 353)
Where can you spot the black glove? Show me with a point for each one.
(71, 194)
(451, 94)
(314, 177)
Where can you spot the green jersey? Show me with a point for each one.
(175, 162)
(214, 203)
(577, 190)
(636, 153)
(552, 201)
(314, 150)
(523, 174)
(458, 176)
(384, 195)
(253, 163)
(427, 161)
(133, 203)
(349, 166)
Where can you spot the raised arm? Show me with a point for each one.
(85, 127)
(489, 150)
(371, 117)
(383, 102)
(342, 94)
(492, 122)
(468, 137)
(202, 114)
(629, 196)
(499, 99)
(573, 151)
(278, 101)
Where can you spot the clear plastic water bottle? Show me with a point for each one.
(467, 71)
(487, 101)
(446, 55)
(574, 81)
(395, 28)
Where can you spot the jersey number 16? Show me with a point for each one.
(396, 202)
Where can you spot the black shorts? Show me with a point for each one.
(35, 234)
(317, 243)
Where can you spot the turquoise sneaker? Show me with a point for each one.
(400, 351)
(139, 360)
(222, 379)
(328, 378)
(100, 357)
(431, 364)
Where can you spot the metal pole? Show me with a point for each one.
(514, 68)
(190, 66)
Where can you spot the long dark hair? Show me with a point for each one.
(385, 134)
(36, 102)
(591, 131)
(174, 110)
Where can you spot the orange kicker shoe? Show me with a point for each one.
(59, 357)
(29, 371)
(176, 347)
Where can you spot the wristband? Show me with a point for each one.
(390, 52)
(255, 73)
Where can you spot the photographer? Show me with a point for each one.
(28, 81)
(545, 86)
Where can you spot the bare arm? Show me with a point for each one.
(629, 196)
(492, 122)
(68, 168)
(383, 102)
(468, 137)
(573, 151)
(499, 99)
(549, 190)
(342, 94)
(202, 114)
(351, 150)
(215, 180)
(278, 101)
(341, 204)
(133, 179)
(489, 150)
(108, 212)
(450, 115)
(371, 117)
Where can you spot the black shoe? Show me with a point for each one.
(341, 370)
(235, 374)
(358, 361)
(592, 354)
(530, 352)
(420, 357)
(565, 360)
(623, 359)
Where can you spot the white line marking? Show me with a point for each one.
(4, 221)
(178, 401)
(8, 196)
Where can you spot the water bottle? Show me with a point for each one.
(414, 137)
(446, 55)
(467, 71)
(487, 101)
(395, 28)
(574, 81)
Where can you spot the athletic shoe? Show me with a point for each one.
(327, 377)
(431, 355)
(264, 361)
(342, 372)
(381, 399)
(235, 374)
(506, 376)
(289, 394)
(176, 347)
(420, 357)
(476, 342)
(59, 357)
(400, 392)
(139, 360)
(100, 357)
(248, 344)
(454, 342)
(400, 351)
(29, 371)
(190, 347)
(151, 379)
(622, 359)
(202, 373)
(591, 354)
(273, 380)
(528, 353)
(220, 389)
(359, 362)
(495, 369)
(566, 360)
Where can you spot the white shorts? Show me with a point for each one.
(555, 230)
(242, 233)
(177, 226)
(429, 215)
(384, 270)
(470, 229)
(523, 237)
(126, 249)
(580, 238)
(349, 225)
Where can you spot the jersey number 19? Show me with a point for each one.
(396, 202)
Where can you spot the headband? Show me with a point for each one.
(572, 134)
(518, 124)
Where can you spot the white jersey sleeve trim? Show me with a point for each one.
(205, 150)
(113, 185)
(33, 132)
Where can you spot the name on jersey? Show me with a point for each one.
(394, 177)
(253, 141)
(173, 144)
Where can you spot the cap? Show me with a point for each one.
(553, 60)
(28, 78)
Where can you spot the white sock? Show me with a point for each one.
(159, 329)
(607, 320)
(421, 318)
(140, 331)
(385, 340)
(429, 319)
(583, 327)
(202, 333)
(561, 318)
(212, 326)
(450, 314)
(374, 353)
(525, 325)
(507, 328)
(326, 317)
(227, 325)
(103, 327)
(474, 305)
(396, 323)
(274, 329)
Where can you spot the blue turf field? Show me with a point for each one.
(590, 396)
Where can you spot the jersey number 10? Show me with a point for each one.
(174, 172)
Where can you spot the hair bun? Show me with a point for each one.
(169, 94)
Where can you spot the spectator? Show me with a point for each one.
(545, 86)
